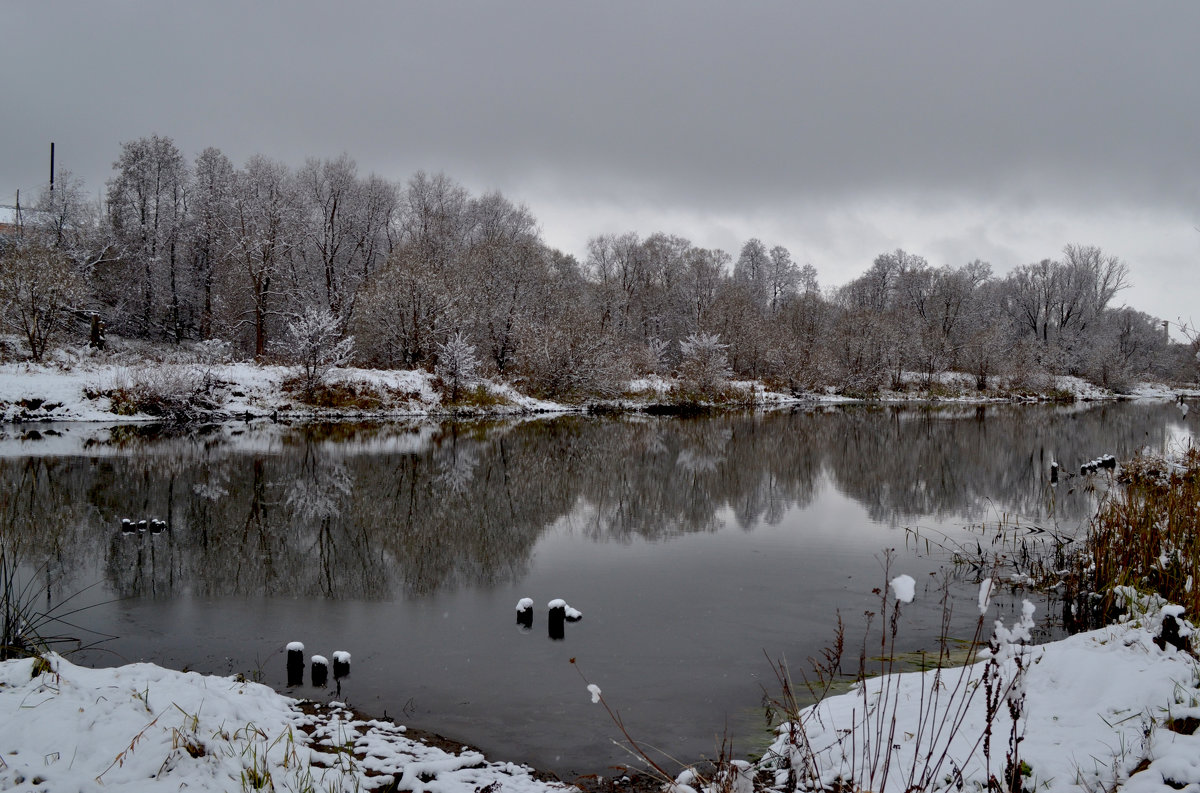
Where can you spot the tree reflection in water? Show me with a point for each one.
(380, 511)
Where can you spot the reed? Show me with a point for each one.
(1146, 535)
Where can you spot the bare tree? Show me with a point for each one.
(38, 290)
(212, 223)
(147, 205)
(264, 218)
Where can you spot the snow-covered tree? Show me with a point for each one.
(314, 341)
(705, 365)
(264, 217)
(38, 290)
(456, 363)
(211, 229)
(147, 207)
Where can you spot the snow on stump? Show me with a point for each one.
(320, 671)
(525, 614)
(558, 619)
(341, 664)
(295, 664)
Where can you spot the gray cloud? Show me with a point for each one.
(807, 117)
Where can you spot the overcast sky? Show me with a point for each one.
(955, 130)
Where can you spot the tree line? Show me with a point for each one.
(425, 274)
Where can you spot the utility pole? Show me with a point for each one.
(51, 166)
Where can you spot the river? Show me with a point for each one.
(696, 548)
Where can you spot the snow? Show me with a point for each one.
(557, 603)
(904, 588)
(79, 385)
(574, 614)
(341, 657)
(79, 389)
(594, 690)
(524, 603)
(143, 728)
(986, 588)
(1091, 708)
(320, 660)
(297, 647)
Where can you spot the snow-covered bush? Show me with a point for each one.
(456, 364)
(705, 366)
(314, 341)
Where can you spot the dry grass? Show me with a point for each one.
(340, 395)
(1146, 535)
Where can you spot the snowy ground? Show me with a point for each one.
(144, 728)
(83, 388)
(1099, 711)
(84, 391)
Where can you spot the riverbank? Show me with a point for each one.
(130, 389)
(1111, 709)
(141, 727)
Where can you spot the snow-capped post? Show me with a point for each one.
(157, 526)
(320, 671)
(127, 526)
(1054, 472)
(141, 526)
(525, 613)
(558, 619)
(341, 664)
(295, 664)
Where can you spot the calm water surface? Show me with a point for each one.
(695, 548)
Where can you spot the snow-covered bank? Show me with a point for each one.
(83, 389)
(1101, 710)
(91, 391)
(144, 728)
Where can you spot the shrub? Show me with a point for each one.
(172, 392)
(314, 341)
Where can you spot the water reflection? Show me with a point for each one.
(369, 512)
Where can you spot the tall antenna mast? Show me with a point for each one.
(51, 166)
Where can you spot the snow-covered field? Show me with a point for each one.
(144, 728)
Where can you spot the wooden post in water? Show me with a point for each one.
(295, 664)
(320, 671)
(558, 619)
(341, 664)
(525, 614)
